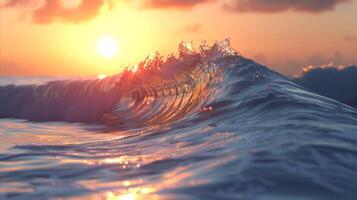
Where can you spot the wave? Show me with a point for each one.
(173, 87)
(335, 82)
(207, 124)
(161, 90)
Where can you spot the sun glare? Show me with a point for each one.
(107, 47)
(102, 76)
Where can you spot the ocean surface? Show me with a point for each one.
(208, 124)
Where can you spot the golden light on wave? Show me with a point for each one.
(107, 47)
(132, 194)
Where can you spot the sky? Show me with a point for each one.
(60, 37)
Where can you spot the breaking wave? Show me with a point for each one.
(207, 124)
(157, 90)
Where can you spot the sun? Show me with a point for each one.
(107, 47)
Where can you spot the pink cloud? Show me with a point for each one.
(53, 10)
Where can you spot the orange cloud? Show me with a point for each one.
(53, 10)
(275, 6)
(351, 38)
(180, 4)
(192, 28)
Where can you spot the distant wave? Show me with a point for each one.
(340, 84)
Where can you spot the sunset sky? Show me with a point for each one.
(60, 37)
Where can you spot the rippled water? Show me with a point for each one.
(217, 126)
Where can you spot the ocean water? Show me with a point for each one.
(210, 124)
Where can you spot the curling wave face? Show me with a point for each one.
(157, 90)
(209, 124)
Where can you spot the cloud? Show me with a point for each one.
(335, 82)
(350, 38)
(179, 4)
(192, 28)
(48, 11)
(276, 6)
